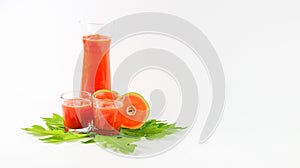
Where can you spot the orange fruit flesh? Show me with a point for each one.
(105, 94)
(135, 110)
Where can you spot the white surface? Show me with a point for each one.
(257, 42)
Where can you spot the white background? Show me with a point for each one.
(257, 42)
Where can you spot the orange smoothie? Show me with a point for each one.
(77, 113)
(96, 64)
(107, 117)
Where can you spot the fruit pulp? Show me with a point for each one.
(135, 110)
(77, 113)
(96, 63)
(106, 119)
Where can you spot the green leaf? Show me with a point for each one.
(55, 132)
(124, 143)
(119, 143)
(41, 131)
(88, 141)
(63, 137)
(152, 129)
(54, 123)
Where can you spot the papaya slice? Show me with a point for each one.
(135, 110)
(106, 94)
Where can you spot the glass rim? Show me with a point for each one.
(98, 99)
(102, 100)
(116, 103)
(75, 91)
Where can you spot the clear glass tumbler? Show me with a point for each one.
(106, 116)
(77, 111)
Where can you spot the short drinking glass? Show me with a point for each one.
(77, 111)
(107, 118)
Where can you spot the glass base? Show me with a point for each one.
(106, 132)
(79, 130)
